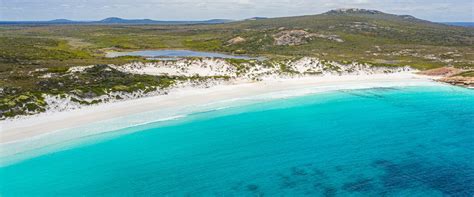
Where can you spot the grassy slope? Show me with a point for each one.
(391, 34)
(466, 74)
(76, 44)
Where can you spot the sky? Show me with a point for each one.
(433, 10)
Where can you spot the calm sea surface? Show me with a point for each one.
(412, 141)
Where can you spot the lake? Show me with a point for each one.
(167, 54)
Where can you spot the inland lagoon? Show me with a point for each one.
(174, 54)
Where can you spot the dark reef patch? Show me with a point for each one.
(359, 185)
(370, 93)
(298, 171)
(329, 192)
(306, 179)
(252, 187)
(357, 94)
(448, 178)
(415, 173)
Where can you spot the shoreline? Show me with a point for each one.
(23, 129)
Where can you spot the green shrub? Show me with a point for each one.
(58, 69)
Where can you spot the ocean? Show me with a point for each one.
(402, 141)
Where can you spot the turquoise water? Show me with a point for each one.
(412, 141)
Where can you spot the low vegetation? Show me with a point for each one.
(81, 86)
(466, 74)
(35, 59)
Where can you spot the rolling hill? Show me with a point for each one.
(340, 35)
(345, 36)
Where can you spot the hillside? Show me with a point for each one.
(370, 35)
(31, 56)
(366, 35)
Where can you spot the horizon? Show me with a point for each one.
(206, 19)
(187, 10)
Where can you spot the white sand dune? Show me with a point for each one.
(42, 125)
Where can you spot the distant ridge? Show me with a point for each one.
(61, 21)
(353, 11)
(115, 20)
(350, 12)
(256, 18)
(373, 13)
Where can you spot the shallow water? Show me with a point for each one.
(167, 54)
(412, 141)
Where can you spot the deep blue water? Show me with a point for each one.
(175, 53)
(412, 141)
(461, 24)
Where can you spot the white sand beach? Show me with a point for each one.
(19, 130)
